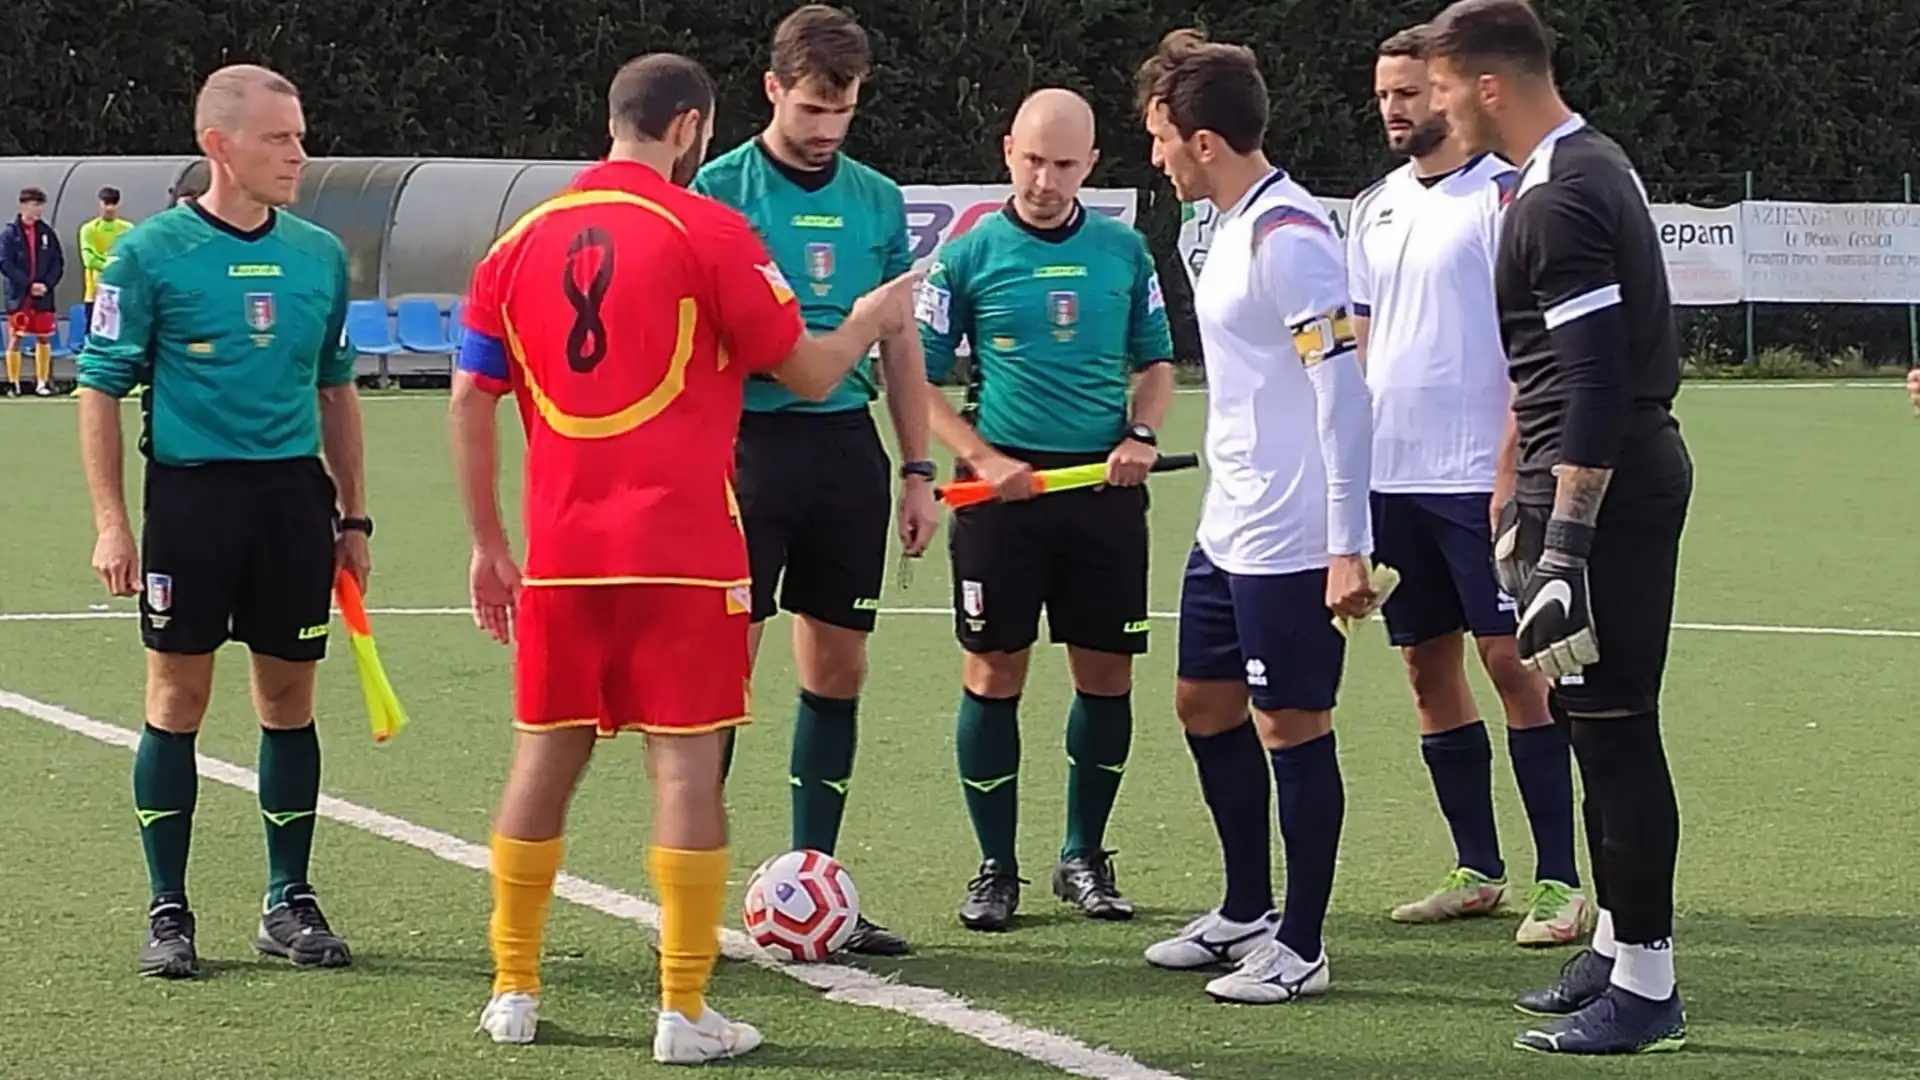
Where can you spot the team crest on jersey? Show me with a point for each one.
(1063, 311)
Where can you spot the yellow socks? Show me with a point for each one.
(523, 873)
(13, 362)
(42, 363)
(693, 889)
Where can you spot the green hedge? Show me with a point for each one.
(1817, 100)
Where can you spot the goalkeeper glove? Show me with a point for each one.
(1556, 635)
(1509, 565)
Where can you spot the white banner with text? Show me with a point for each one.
(1766, 252)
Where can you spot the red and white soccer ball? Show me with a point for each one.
(801, 906)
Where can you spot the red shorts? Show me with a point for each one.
(37, 323)
(664, 659)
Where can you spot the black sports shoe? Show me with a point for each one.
(992, 898)
(1617, 1022)
(1582, 980)
(871, 939)
(1087, 882)
(294, 928)
(169, 953)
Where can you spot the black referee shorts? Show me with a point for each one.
(1631, 577)
(238, 550)
(816, 501)
(1081, 555)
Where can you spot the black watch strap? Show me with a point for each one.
(1142, 433)
(923, 469)
(357, 524)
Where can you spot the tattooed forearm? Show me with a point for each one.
(1578, 492)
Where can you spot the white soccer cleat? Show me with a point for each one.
(511, 1017)
(680, 1041)
(1211, 940)
(1557, 914)
(1272, 975)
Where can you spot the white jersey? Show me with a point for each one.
(1288, 422)
(1420, 269)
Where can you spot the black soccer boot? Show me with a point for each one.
(295, 929)
(169, 952)
(1582, 980)
(1087, 882)
(992, 898)
(869, 938)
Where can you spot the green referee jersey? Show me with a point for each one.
(1058, 320)
(835, 233)
(233, 332)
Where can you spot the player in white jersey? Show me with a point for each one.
(1284, 536)
(1420, 254)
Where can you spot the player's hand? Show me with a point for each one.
(116, 562)
(39, 288)
(1508, 567)
(1128, 464)
(1350, 586)
(919, 517)
(1011, 478)
(352, 554)
(493, 580)
(1556, 636)
(891, 305)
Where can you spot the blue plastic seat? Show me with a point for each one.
(420, 327)
(367, 328)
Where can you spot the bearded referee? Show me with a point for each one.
(1590, 544)
(233, 314)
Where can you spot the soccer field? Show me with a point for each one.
(1792, 711)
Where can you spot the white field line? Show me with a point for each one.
(844, 985)
(448, 612)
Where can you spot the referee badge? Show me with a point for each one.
(260, 316)
(159, 592)
(820, 267)
(973, 598)
(1063, 311)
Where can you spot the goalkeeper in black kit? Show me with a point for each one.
(1590, 544)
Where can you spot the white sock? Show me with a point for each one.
(1603, 942)
(1646, 970)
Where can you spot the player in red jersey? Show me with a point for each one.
(625, 315)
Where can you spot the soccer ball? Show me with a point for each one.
(801, 906)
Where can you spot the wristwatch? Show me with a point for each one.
(1142, 433)
(357, 524)
(925, 470)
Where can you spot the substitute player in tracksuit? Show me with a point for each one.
(233, 314)
(1063, 311)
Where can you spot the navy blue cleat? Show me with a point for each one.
(1617, 1022)
(1583, 978)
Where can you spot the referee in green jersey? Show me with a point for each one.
(1063, 311)
(232, 313)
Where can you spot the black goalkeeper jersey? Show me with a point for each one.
(1586, 318)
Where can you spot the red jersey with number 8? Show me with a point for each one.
(632, 312)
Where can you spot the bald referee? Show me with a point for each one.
(232, 313)
(1590, 543)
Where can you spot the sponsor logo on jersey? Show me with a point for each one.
(1059, 271)
(818, 221)
(255, 270)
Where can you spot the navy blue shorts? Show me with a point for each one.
(1443, 547)
(1273, 631)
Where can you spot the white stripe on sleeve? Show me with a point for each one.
(1581, 306)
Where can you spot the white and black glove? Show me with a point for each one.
(1556, 635)
(1509, 565)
